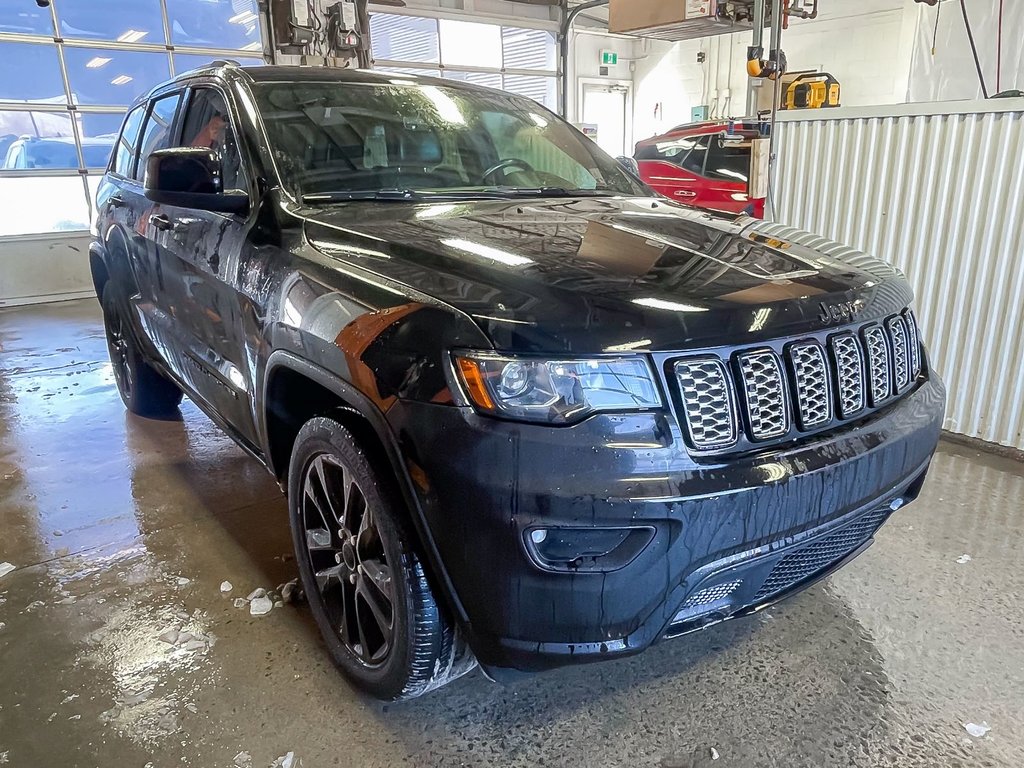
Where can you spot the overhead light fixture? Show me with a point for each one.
(246, 17)
(97, 61)
(673, 306)
(131, 36)
(121, 80)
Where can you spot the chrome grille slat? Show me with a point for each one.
(759, 394)
(707, 400)
(897, 328)
(849, 374)
(915, 344)
(765, 394)
(811, 382)
(878, 364)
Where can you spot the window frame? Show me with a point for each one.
(134, 146)
(194, 84)
(172, 131)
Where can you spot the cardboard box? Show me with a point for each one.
(632, 15)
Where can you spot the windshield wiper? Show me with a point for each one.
(549, 192)
(392, 195)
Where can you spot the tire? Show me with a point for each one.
(142, 388)
(365, 559)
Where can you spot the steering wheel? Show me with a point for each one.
(508, 162)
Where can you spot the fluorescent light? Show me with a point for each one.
(121, 80)
(131, 36)
(673, 306)
(97, 61)
(246, 17)
(487, 252)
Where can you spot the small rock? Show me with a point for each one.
(195, 645)
(184, 637)
(279, 603)
(192, 708)
(261, 606)
(2, 626)
(58, 533)
(75, 717)
(964, 558)
(240, 602)
(714, 754)
(183, 582)
(35, 605)
(6, 568)
(243, 760)
(169, 636)
(225, 587)
(285, 761)
(289, 591)
(977, 730)
(256, 593)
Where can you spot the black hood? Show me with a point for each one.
(606, 274)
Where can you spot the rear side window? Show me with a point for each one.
(728, 161)
(157, 133)
(125, 152)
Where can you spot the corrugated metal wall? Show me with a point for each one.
(937, 190)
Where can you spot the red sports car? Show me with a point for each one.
(695, 164)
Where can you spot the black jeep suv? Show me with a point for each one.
(525, 412)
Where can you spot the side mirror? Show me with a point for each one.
(190, 177)
(629, 164)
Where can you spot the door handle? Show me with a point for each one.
(161, 222)
(116, 202)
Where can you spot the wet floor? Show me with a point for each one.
(123, 529)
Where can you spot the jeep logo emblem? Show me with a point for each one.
(839, 312)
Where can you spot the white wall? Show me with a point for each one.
(866, 45)
(44, 268)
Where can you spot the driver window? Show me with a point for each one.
(207, 125)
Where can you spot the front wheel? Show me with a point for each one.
(143, 389)
(365, 584)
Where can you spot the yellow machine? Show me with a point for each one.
(812, 90)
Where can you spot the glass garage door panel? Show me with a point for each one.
(25, 18)
(404, 38)
(126, 21)
(466, 43)
(183, 62)
(36, 78)
(29, 205)
(105, 76)
(527, 48)
(541, 89)
(489, 79)
(214, 23)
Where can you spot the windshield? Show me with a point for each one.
(336, 138)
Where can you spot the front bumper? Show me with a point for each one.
(719, 530)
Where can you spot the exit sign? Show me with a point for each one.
(609, 58)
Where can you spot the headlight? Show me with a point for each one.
(556, 391)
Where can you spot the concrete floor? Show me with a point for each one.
(106, 516)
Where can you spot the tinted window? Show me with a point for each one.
(207, 124)
(157, 134)
(728, 161)
(353, 136)
(126, 145)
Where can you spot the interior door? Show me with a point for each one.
(605, 107)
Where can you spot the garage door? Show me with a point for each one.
(516, 59)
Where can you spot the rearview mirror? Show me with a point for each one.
(190, 177)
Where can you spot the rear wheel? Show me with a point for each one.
(364, 582)
(142, 388)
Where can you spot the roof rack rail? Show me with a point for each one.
(224, 63)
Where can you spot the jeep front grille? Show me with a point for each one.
(797, 387)
(707, 402)
(879, 364)
(810, 379)
(764, 394)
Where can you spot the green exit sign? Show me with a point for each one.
(609, 58)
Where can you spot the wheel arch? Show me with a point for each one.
(318, 392)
